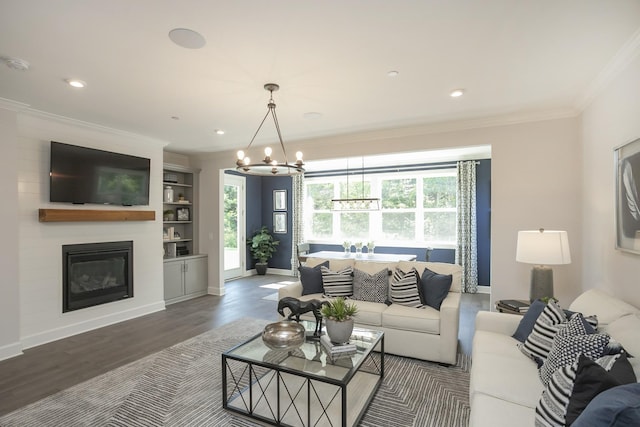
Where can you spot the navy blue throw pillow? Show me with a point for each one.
(617, 407)
(529, 320)
(311, 278)
(434, 288)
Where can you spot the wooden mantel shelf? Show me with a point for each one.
(66, 215)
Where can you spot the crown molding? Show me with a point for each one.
(620, 61)
(8, 104)
(95, 127)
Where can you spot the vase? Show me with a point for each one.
(339, 332)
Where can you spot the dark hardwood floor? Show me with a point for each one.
(49, 368)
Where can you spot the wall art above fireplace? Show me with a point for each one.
(96, 273)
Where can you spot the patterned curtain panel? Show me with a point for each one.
(467, 251)
(297, 235)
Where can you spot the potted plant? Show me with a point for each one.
(338, 314)
(262, 247)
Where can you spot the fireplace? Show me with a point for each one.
(96, 273)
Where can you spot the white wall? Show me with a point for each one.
(536, 181)
(39, 246)
(10, 301)
(612, 119)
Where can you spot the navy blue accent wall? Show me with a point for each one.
(282, 258)
(254, 209)
(483, 217)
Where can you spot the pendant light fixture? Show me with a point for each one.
(269, 166)
(355, 204)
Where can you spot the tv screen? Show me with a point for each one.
(87, 175)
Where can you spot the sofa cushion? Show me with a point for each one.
(616, 407)
(369, 313)
(371, 287)
(434, 288)
(489, 411)
(311, 278)
(404, 288)
(539, 342)
(525, 327)
(439, 267)
(603, 305)
(337, 283)
(398, 316)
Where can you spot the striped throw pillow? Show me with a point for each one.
(337, 283)
(538, 344)
(404, 288)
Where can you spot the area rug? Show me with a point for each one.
(181, 386)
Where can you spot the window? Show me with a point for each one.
(417, 209)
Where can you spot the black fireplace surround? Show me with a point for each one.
(96, 273)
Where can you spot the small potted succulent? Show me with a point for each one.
(338, 314)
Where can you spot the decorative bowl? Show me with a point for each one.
(283, 335)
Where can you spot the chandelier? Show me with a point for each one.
(269, 166)
(355, 204)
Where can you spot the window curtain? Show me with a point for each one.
(297, 213)
(467, 250)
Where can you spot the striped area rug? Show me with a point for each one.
(181, 386)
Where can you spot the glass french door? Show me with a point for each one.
(234, 226)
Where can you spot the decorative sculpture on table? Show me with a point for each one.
(298, 307)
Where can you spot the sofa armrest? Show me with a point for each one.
(449, 325)
(502, 323)
(292, 290)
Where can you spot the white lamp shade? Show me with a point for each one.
(543, 247)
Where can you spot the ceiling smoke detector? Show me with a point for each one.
(16, 64)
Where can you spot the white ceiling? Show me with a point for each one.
(330, 57)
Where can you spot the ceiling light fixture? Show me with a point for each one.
(269, 166)
(16, 64)
(187, 38)
(456, 93)
(393, 73)
(355, 204)
(219, 132)
(78, 84)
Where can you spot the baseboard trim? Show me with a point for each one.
(89, 325)
(484, 289)
(10, 350)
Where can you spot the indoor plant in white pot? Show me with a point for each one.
(262, 247)
(338, 314)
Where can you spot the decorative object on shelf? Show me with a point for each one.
(168, 215)
(182, 214)
(168, 194)
(338, 314)
(279, 200)
(355, 204)
(284, 335)
(280, 222)
(297, 307)
(262, 247)
(176, 236)
(170, 177)
(358, 246)
(542, 247)
(627, 160)
(269, 166)
(347, 247)
(181, 198)
(371, 247)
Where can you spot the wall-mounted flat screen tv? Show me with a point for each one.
(86, 175)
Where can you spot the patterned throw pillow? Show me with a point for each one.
(539, 342)
(565, 349)
(404, 288)
(371, 287)
(558, 400)
(339, 283)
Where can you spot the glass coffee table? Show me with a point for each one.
(303, 386)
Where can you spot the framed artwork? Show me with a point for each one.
(280, 222)
(627, 209)
(279, 200)
(182, 214)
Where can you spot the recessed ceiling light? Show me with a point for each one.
(456, 93)
(219, 132)
(312, 115)
(175, 118)
(187, 38)
(16, 64)
(393, 73)
(79, 84)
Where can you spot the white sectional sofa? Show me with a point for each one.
(505, 387)
(422, 333)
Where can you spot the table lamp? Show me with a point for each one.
(542, 247)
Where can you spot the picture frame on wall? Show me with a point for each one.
(280, 222)
(279, 200)
(183, 214)
(627, 200)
